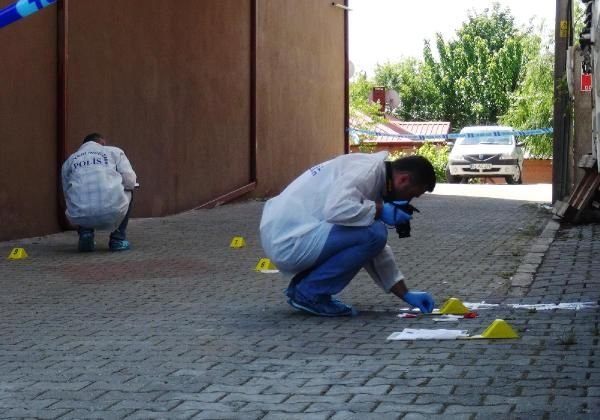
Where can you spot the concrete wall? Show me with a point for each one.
(300, 88)
(28, 173)
(537, 171)
(207, 98)
(171, 86)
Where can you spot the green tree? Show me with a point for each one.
(364, 114)
(477, 72)
(420, 99)
(532, 103)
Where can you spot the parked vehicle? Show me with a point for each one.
(493, 155)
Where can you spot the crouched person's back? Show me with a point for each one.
(97, 182)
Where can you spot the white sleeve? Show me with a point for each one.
(383, 269)
(126, 171)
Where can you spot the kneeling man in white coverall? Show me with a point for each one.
(98, 181)
(331, 222)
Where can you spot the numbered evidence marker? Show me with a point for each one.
(237, 242)
(454, 306)
(266, 266)
(499, 328)
(17, 254)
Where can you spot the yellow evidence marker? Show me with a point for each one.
(265, 265)
(453, 306)
(17, 254)
(237, 242)
(497, 329)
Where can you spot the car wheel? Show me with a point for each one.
(452, 179)
(516, 178)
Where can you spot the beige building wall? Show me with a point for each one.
(28, 130)
(299, 88)
(208, 99)
(172, 87)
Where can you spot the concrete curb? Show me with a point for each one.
(525, 274)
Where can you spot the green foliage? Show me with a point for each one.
(468, 80)
(477, 72)
(578, 20)
(437, 155)
(414, 84)
(532, 103)
(490, 73)
(359, 90)
(364, 114)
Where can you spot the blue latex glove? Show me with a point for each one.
(392, 215)
(421, 300)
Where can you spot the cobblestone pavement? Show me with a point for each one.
(181, 326)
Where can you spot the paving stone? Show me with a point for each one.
(21, 413)
(181, 326)
(488, 409)
(149, 414)
(79, 414)
(273, 415)
(351, 415)
(417, 408)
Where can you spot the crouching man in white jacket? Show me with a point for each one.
(331, 222)
(98, 181)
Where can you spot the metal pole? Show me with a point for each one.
(562, 112)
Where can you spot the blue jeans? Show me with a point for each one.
(120, 234)
(346, 251)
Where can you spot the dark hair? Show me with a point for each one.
(420, 169)
(93, 137)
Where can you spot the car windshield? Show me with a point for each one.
(470, 141)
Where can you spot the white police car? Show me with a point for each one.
(486, 151)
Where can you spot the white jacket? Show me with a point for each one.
(97, 181)
(342, 191)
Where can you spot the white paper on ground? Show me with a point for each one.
(549, 306)
(537, 306)
(481, 305)
(418, 311)
(425, 334)
(269, 271)
(447, 318)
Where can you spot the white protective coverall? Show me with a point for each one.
(97, 181)
(342, 191)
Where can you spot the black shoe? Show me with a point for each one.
(86, 242)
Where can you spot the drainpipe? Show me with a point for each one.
(61, 106)
(346, 84)
(562, 118)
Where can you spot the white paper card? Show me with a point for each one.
(425, 334)
(446, 318)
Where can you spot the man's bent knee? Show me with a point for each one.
(378, 234)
